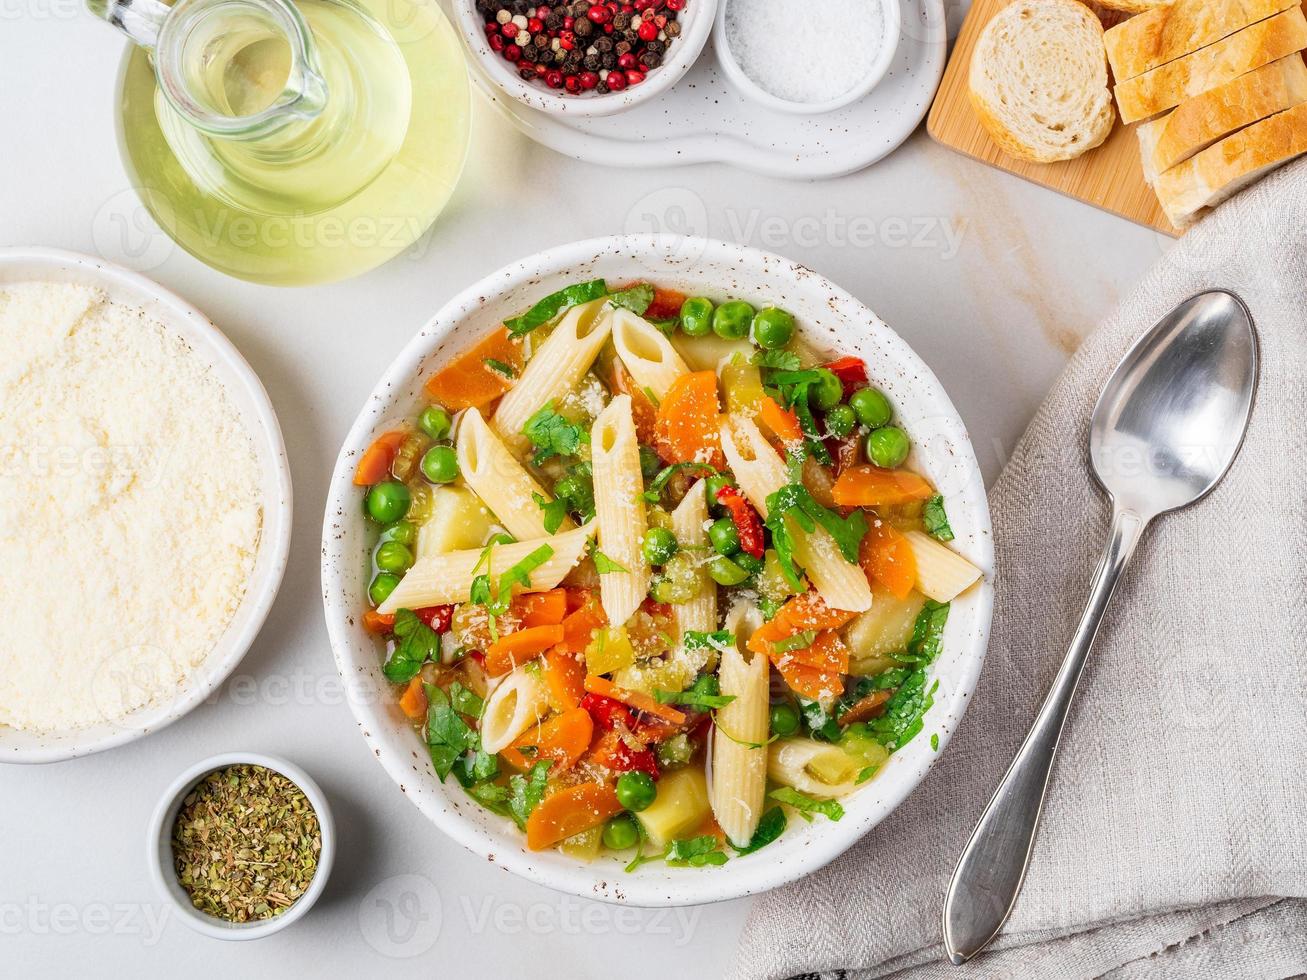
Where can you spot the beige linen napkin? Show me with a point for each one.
(1174, 839)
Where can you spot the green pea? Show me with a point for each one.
(388, 502)
(435, 422)
(394, 557)
(405, 533)
(650, 464)
(440, 464)
(723, 537)
(621, 833)
(715, 483)
(784, 719)
(731, 321)
(827, 391)
(659, 545)
(872, 407)
(381, 587)
(696, 316)
(636, 790)
(841, 420)
(887, 447)
(772, 328)
(746, 561)
(723, 571)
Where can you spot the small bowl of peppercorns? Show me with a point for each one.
(585, 57)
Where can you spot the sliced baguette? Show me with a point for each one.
(1221, 171)
(1165, 87)
(1214, 115)
(1173, 31)
(1038, 80)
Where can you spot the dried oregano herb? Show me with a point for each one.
(245, 843)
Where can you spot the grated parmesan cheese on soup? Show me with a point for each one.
(129, 509)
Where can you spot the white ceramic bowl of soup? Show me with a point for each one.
(830, 320)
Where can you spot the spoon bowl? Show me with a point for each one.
(1166, 428)
(1172, 417)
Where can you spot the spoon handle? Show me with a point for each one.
(993, 864)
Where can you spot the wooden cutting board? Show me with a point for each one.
(1109, 177)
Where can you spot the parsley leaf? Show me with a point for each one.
(779, 360)
(500, 367)
(655, 492)
(697, 640)
(605, 565)
(553, 434)
(934, 742)
(706, 693)
(799, 641)
(526, 791)
(416, 643)
(477, 766)
(554, 511)
(636, 298)
(464, 700)
(492, 796)
(795, 501)
(448, 735)
(903, 716)
(936, 520)
(807, 805)
(496, 598)
(695, 852)
(554, 304)
(821, 725)
(927, 634)
(770, 827)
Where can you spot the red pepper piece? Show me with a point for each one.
(437, 617)
(613, 753)
(748, 525)
(852, 373)
(605, 710)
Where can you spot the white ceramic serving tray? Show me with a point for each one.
(703, 119)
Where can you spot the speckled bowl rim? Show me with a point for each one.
(158, 847)
(252, 402)
(699, 14)
(945, 455)
(893, 31)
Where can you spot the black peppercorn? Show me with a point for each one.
(583, 27)
(592, 62)
(608, 60)
(621, 21)
(672, 28)
(622, 47)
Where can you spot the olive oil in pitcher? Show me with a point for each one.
(290, 144)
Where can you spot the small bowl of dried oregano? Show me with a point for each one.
(242, 844)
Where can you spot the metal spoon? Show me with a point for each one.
(1166, 428)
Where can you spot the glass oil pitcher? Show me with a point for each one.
(292, 143)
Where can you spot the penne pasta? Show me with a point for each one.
(816, 768)
(500, 480)
(554, 370)
(436, 580)
(760, 472)
(738, 783)
(941, 572)
(679, 669)
(619, 510)
(519, 702)
(647, 354)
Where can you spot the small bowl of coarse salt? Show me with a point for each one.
(810, 57)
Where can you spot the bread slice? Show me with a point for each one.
(1214, 115)
(1038, 80)
(1166, 33)
(1165, 87)
(1221, 171)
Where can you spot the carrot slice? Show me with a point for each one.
(564, 678)
(886, 557)
(871, 706)
(570, 812)
(687, 421)
(810, 612)
(467, 382)
(540, 608)
(783, 422)
(596, 684)
(517, 648)
(811, 682)
(826, 652)
(375, 463)
(579, 627)
(871, 486)
(375, 622)
(562, 739)
(643, 412)
(413, 702)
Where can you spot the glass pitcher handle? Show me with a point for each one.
(140, 20)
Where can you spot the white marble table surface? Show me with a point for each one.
(992, 280)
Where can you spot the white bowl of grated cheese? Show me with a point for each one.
(807, 58)
(145, 494)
